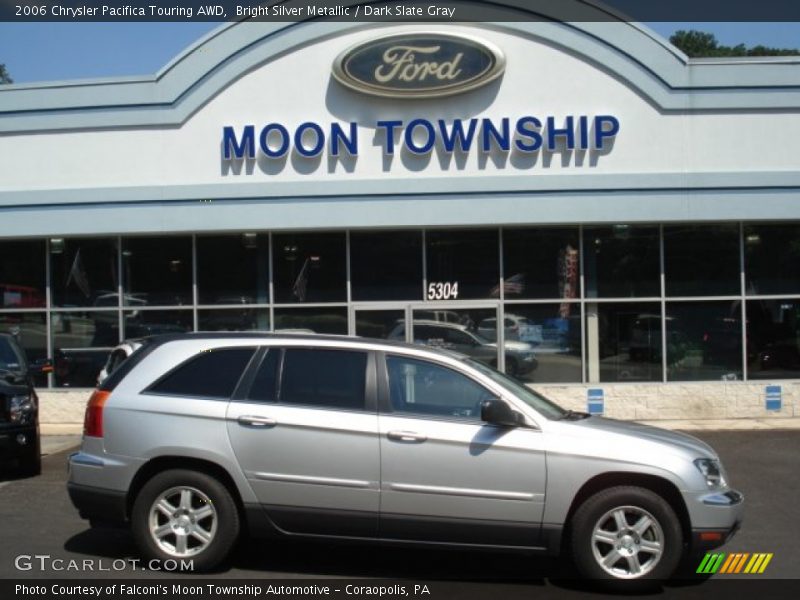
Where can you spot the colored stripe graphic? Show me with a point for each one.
(711, 563)
(738, 562)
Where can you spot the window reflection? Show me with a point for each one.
(233, 269)
(22, 274)
(701, 260)
(235, 319)
(141, 323)
(772, 259)
(541, 263)
(312, 320)
(81, 343)
(621, 261)
(84, 272)
(310, 267)
(704, 341)
(462, 264)
(468, 332)
(554, 332)
(629, 341)
(773, 339)
(157, 271)
(378, 323)
(386, 265)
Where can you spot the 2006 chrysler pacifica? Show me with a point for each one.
(200, 436)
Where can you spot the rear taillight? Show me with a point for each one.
(93, 421)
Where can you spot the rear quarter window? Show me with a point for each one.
(211, 374)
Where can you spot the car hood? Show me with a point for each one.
(640, 431)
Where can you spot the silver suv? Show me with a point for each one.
(197, 437)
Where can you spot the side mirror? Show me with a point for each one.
(496, 412)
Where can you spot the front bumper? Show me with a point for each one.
(18, 443)
(715, 517)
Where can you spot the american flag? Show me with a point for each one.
(513, 286)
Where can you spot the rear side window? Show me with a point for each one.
(333, 379)
(265, 383)
(210, 374)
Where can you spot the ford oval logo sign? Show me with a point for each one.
(419, 65)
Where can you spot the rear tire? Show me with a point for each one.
(184, 515)
(628, 537)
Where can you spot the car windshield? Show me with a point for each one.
(10, 359)
(542, 405)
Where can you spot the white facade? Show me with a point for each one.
(698, 142)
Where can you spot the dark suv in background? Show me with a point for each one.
(19, 409)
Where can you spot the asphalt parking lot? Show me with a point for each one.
(37, 518)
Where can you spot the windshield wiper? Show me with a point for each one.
(574, 415)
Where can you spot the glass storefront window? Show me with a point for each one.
(459, 330)
(233, 269)
(312, 320)
(378, 323)
(621, 261)
(772, 259)
(30, 329)
(141, 323)
(702, 260)
(309, 267)
(628, 341)
(157, 271)
(553, 331)
(704, 341)
(386, 265)
(233, 319)
(541, 263)
(773, 339)
(81, 343)
(22, 274)
(84, 272)
(462, 264)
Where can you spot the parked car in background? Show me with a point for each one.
(198, 437)
(19, 408)
(520, 357)
(20, 296)
(79, 367)
(118, 356)
(517, 328)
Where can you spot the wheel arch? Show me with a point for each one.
(658, 485)
(165, 463)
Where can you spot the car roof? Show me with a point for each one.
(294, 337)
(155, 341)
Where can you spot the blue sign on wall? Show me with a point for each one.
(773, 397)
(595, 403)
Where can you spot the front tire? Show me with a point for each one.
(627, 536)
(184, 515)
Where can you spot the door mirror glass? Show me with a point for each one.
(496, 412)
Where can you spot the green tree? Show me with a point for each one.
(4, 76)
(702, 44)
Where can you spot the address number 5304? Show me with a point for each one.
(443, 290)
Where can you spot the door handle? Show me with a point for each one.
(407, 436)
(254, 421)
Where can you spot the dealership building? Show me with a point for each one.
(578, 204)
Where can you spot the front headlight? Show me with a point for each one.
(22, 410)
(711, 470)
